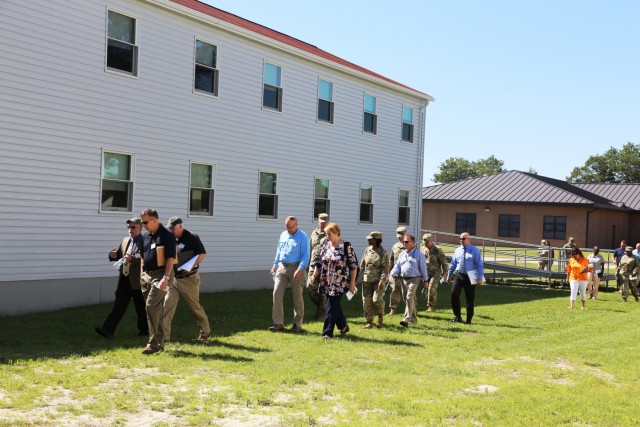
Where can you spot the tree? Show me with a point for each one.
(614, 166)
(457, 168)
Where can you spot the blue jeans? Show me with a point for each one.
(334, 316)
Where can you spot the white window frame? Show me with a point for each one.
(136, 45)
(360, 203)
(407, 206)
(328, 199)
(276, 195)
(212, 190)
(411, 126)
(365, 112)
(215, 69)
(280, 90)
(130, 182)
(330, 101)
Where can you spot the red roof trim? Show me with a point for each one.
(283, 38)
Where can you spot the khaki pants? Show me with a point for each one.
(154, 305)
(409, 289)
(189, 289)
(284, 276)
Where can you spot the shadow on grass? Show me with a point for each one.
(208, 356)
(68, 332)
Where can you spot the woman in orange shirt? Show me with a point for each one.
(578, 269)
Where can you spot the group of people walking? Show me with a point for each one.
(155, 271)
(160, 267)
(332, 270)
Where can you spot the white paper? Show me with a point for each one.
(187, 266)
(349, 295)
(118, 263)
(473, 276)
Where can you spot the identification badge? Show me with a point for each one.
(294, 243)
(153, 245)
(181, 246)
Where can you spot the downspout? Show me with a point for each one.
(587, 234)
(420, 171)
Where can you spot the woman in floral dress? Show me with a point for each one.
(337, 270)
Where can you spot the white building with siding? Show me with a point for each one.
(111, 107)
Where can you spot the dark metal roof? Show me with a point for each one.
(517, 187)
(619, 194)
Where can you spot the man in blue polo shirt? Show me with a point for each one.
(466, 262)
(289, 265)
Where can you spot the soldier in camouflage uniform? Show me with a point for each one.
(317, 239)
(629, 267)
(373, 272)
(436, 267)
(396, 293)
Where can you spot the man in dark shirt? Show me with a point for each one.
(187, 284)
(128, 254)
(158, 254)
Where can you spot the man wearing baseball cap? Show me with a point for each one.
(396, 293)
(317, 241)
(187, 284)
(128, 282)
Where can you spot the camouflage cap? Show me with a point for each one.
(401, 230)
(629, 249)
(571, 239)
(543, 242)
(375, 235)
(323, 217)
(426, 236)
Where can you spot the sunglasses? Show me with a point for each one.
(406, 241)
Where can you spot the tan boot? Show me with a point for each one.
(380, 324)
(430, 310)
(392, 312)
(368, 325)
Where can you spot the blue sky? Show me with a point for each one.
(541, 84)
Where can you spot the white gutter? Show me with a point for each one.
(420, 171)
(248, 34)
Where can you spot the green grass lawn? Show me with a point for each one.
(526, 360)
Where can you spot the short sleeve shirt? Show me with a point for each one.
(161, 238)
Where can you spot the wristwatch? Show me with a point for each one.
(166, 277)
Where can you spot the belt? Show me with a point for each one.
(408, 278)
(183, 275)
(289, 264)
(152, 272)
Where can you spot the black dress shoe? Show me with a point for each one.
(103, 333)
(405, 324)
(468, 322)
(456, 320)
(344, 330)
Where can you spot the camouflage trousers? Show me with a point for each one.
(396, 294)
(432, 292)
(369, 294)
(627, 284)
(316, 297)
